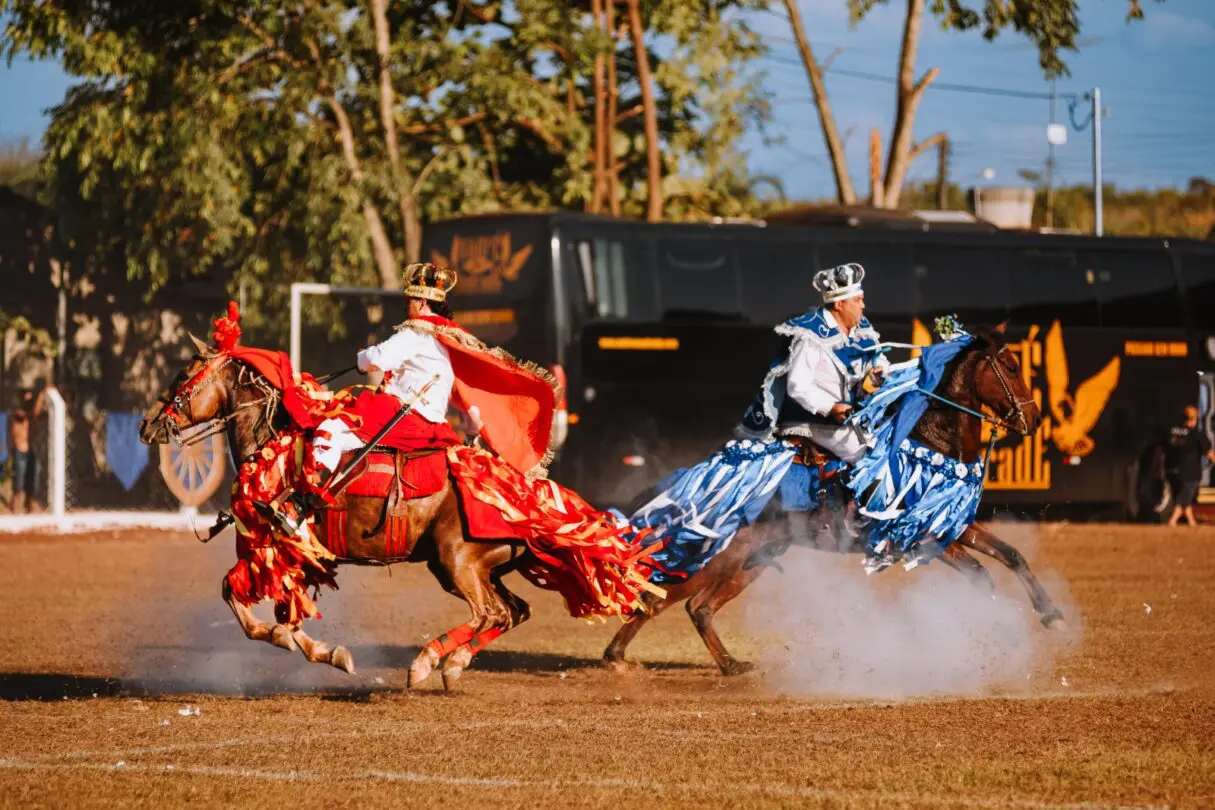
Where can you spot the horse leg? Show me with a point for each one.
(459, 660)
(957, 558)
(468, 568)
(277, 634)
(613, 656)
(318, 652)
(704, 605)
(985, 542)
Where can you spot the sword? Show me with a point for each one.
(271, 512)
(345, 475)
(334, 375)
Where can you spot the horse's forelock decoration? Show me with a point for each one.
(225, 334)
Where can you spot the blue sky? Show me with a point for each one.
(1155, 77)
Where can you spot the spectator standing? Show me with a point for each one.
(1186, 449)
(25, 461)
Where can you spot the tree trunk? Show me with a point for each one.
(410, 220)
(650, 114)
(910, 93)
(600, 145)
(844, 191)
(876, 196)
(613, 97)
(385, 260)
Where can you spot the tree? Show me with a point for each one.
(302, 137)
(19, 169)
(1051, 25)
(294, 141)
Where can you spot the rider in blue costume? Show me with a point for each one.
(813, 384)
(807, 395)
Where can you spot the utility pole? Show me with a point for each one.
(942, 172)
(1050, 164)
(1098, 225)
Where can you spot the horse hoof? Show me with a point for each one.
(733, 667)
(450, 676)
(422, 667)
(342, 659)
(1054, 621)
(281, 636)
(622, 667)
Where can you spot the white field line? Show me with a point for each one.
(95, 521)
(648, 786)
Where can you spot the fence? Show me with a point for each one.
(99, 475)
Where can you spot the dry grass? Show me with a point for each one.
(138, 621)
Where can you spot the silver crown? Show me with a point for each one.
(839, 283)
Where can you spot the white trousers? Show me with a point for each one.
(328, 450)
(846, 442)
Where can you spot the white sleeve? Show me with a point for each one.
(808, 366)
(391, 354)
(882, 362)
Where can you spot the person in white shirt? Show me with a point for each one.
(410, 360)
(811, 387)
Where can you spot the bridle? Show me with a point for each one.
(182, 402)
(1016, 406)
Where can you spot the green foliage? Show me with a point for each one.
(1051, 25)
(40, 338)
(19, 170)
(246, 138)
(1160, 212)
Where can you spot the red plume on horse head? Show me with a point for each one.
(226, 333)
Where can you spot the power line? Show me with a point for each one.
(950, 86)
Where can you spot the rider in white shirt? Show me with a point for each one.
(811, 387)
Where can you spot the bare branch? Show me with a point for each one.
(923, 146)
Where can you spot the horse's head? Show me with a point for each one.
(202, 392)
(997, 382)
(216, 387)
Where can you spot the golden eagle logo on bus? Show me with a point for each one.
(1070, 417)
(484, 263)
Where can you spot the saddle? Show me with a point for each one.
(810, 454)
(395, 477)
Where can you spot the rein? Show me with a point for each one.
(1017, 406)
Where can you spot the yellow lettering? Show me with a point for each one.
(639, 344)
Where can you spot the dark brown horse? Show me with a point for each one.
(985, 374)
(251, 412)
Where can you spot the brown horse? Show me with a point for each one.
(987, 374)
(250, 411)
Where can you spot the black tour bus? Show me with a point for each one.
(664, 331)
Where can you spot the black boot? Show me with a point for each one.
(305, 505)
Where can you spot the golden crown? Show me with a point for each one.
(429, 281)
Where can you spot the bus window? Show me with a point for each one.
(697, 277)
(776, 280)
(970, 282)
(1136, 288)
(889, 285)
(1045, 285)
(1198, 274)
(612, 278)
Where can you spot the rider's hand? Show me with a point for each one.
(839, 411)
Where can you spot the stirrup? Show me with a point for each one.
(306, 505)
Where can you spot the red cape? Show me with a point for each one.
(517, 400)
(306, 410)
